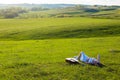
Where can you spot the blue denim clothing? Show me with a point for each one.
(85, 58)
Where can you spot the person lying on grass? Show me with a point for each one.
(84, 58)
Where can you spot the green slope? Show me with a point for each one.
(30, 29)
(45, 59)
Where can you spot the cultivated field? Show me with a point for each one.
(35, 49)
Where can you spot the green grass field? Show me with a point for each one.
(35, 49)
(49, 28)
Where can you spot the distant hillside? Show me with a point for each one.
(36, 5)
(58, 10)
(96, 11)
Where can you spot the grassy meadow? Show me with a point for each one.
(50, 28)
(35, 49)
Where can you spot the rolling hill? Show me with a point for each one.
(25, 5)
(59, 10)
(51, 28)
(95, 11)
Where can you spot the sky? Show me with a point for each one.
(88, 2)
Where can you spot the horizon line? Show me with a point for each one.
(61, 3)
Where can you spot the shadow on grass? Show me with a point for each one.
(114, 51)
(78, 33)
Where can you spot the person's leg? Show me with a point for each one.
(98, 58)
(79, 56)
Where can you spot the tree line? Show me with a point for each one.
(13, 12)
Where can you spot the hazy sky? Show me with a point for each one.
(103, 2)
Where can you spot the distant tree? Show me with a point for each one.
(12, 12)
(38, 9)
